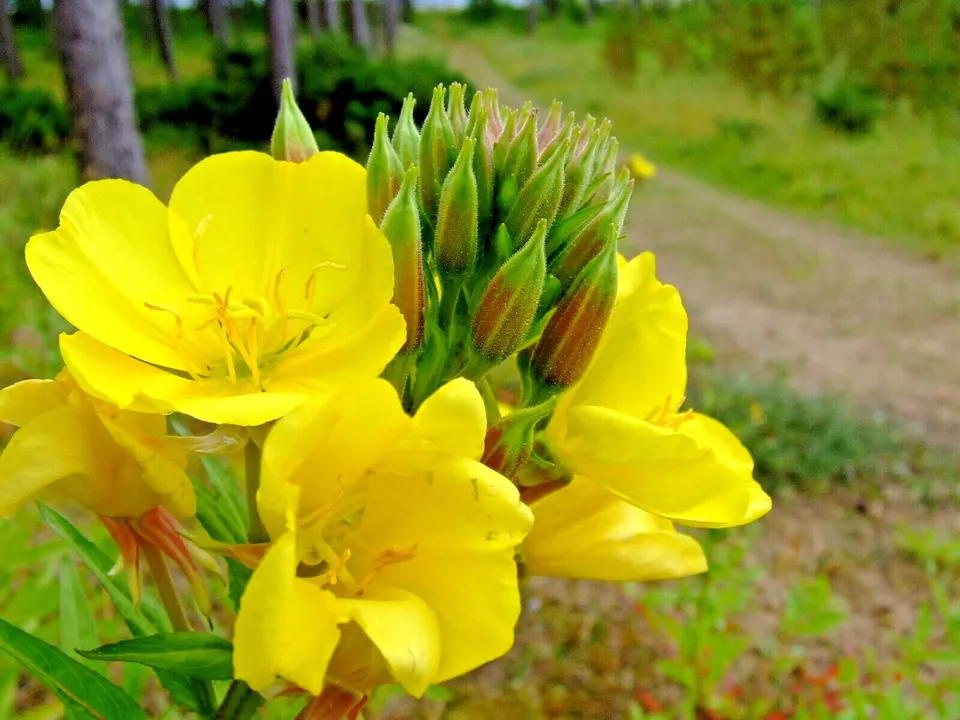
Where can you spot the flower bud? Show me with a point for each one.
(456, 111)
(482, 161)
(588, 243)
(292, 138)
(436, 153)
(570, 338)
(401, 227)
(521, 156)
(509, 304)
(552, 126)
(607, 164)
(384, 172)
(580, 171)
(586, 133)
(455, 241)
(563, 135)
(503, 140)
(539, 198)
(406, 137)
(494, 120)
(564, 231)
(509, 442)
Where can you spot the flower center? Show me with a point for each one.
(668, 417)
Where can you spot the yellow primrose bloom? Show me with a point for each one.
(115, 463)
(262, 283)
(584, 531)
(393, 554)
(621, 425)
(641, 168)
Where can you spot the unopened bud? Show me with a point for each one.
(455, 241)
(482, 161)
(570, 338)
(292, 138)
(566, 230)
(384, 172)
(588, 243)
(586, 132)
(551, 127)
(457, 112)
(494, 120)
(406, 137)
(521, 156)
(401, 227)
(509, 442)
(564, 135)
(509, 304)
(606, 165)
(436, 153)
(580, 172)
(504, 138)
(539, 199)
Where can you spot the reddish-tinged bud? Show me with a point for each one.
(401, 227)
(571, 336)
(406, 137)
(588, 243)
(455, 240)
(539, 199)
(437, 150)
(457, 112)
(492, 104)
(384, 172)
(509, 304)
(551, 127)
(292, 138)
(565, 135)
(586, 133)
(508, 444)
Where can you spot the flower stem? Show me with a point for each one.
(240, 702)
(168, 593)
(252, 455)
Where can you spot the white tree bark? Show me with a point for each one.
(361, 31)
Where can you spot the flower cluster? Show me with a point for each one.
(341, 327)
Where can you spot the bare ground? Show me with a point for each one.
(841, 314)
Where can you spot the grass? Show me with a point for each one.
(899, 182)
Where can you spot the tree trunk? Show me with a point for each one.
(8, 46)
(331, 15)
(146, 23)
(406, 14)
(532, 16)
(391, 20)
(588, 11)
(218, 21)
(361, 31)
(280, 38)
(314, 23)
(164, 40)
(96, 72)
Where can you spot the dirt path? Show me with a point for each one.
(843, 314)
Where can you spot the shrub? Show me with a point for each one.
(31, 120)
(846, 104)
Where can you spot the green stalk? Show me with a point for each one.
(253, 457)
(240, 702)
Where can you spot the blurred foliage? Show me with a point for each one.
(843, 103)
(31, 120)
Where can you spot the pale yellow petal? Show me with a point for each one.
(584, 531)
(108, 258)
(26, 400)
(286, 627)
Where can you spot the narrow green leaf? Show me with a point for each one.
(238, 575)
(78, 628)
(198, 655)
(85, 694)
(227, 489)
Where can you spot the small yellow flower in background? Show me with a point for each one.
(117, 464)
(393, 553)
(262, 283)
(641, 168)
(621, 426)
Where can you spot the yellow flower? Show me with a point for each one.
(115, 463)
(584, 531)
(641, 168)
(393, 553)
(621, 425)
(262, 283)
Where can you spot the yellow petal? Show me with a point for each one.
(108, 374)
(584, 531)
(325, 446)
(448, 537)
(26, 400)
(111, 254)
(640, 364)
(286, 627)
(67, 452)
(404, 630)
(698, 478)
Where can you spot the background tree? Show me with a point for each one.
(391, 21)
(8, 47)
(96, 72)
(281, 29)
(314, 22)
(532, 11)
(331, 15)
(217, 19)
(161, 24)
(361, 31)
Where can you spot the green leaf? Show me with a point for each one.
(85, 694)
(184, 691)
(227, 490)
(198, 655)
(78, 628)
(238, 575)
